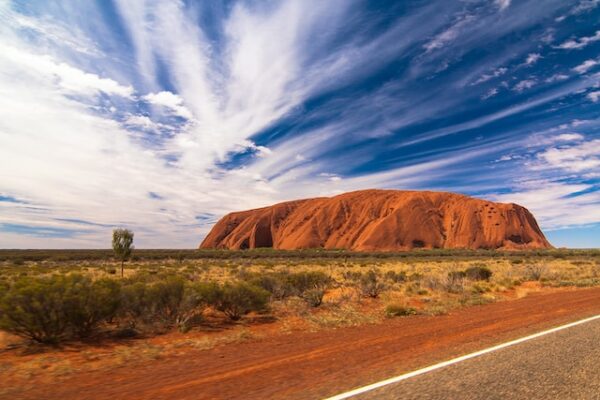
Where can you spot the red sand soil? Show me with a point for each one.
(384, 220)
(309, 365)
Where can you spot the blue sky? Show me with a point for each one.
(161, 116)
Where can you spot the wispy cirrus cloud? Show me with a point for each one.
(155, 113)
(579, 43)
(586, 66)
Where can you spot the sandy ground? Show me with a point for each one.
(308, 365)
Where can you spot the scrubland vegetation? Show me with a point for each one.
(78, 299)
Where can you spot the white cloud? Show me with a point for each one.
(594, 96)
(502, 4)
(450, 34)
(506, 157)
(548, 36)
(260, 151)
(569, 137)
(555, 204)
(585, 66)
(494, 74)
(70, 79)
(579, 43)
(557, 78)
(585, 6)
(532, 58)
(524, 84)
(490, 93)
(47, 29)
(142, 121)
(331, 177)
(170, 101)
(584, 156)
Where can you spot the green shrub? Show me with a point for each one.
(396, 277)
(478, 273)
(34, 308)
(164, 300)
(352, 276)
(371, 285)
(479, 289)
(238, 299)
(182, 305)
(89, 303)
(310, 286)
(314, 297)
(457, 275)
(169, 301)
(135, 306)
(275, 283)
(18, 261)
(396, 310)
(454, 282)
(49, 309)
(300, 282)
(535, 272)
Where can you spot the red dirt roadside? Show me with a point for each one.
(310, 365)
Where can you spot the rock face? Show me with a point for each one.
(381, 220)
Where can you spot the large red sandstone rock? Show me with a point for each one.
(381, 220)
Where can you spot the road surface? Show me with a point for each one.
(559, 365)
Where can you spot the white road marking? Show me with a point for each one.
(422, 371)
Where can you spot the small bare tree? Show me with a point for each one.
(122, 241)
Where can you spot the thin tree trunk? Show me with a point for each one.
(122, 262)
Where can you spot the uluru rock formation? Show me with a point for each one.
(381, 220)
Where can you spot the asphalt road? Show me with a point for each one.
(562, 365)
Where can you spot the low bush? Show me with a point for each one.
(197, 297)
(455, 281)
(352, 276)
(34, 308)
(49, 309)
(275, 283)
(165, 300)
(309, 286)
(238, 299)
(169, 301)
(135, 306)
(88, 303)
(396, 277)
(535, 272)
(396, 310)
(370, 285)
(18, 261)
(314, 297)
(478, 273)
(300, 282)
